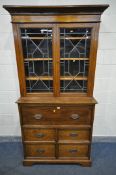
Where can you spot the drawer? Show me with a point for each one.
(51, 115)
(73, 150)
(40, 151)
(38, 134)
(74, 134)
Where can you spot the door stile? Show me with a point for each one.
(56, 60)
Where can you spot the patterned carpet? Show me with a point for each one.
(103, 156)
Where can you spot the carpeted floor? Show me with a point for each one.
(103, 156)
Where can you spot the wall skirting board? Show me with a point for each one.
(95, 139)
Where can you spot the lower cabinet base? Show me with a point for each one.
(60, 137)
(30, 162)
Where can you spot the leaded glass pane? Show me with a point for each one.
(74, 59)
(37, 52)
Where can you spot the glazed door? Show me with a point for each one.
(57, 59)
(37, 48)
(77, 47)
(74, 58)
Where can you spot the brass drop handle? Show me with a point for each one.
(75, 116)
(73, 134)
(38, 116)
(40, 151)
(73, 150)
(39, 135)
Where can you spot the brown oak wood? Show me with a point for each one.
(46, 94)
(40, 59)
(19, 57)
(74, 134)
(83, 162)
(52, 115)
(39, 134)
(73, 151)
(57, 100)
(74, 59)
(61, 78)
(36, 38)
(39, 78)
(40, 150)
(73, 77)
(66, 9)
(58, 126)
(55, 18)
(37, 59)
(93, 54)
(75, 38)
(56, 62)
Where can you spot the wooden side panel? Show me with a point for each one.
(19, 58)
(92, 63)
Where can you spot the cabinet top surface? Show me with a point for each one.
(58, 100)
(75, 9)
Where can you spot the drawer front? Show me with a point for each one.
(73, 150)
(39, 134)
(40, 151)
(74, 134)
(52, 115)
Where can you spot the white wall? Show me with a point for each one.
(105, 81)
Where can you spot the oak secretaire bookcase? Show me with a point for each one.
(56, 50)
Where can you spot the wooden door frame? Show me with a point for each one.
(56, 56)
(92, 56)
(20, 58)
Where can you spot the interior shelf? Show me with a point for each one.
(37, 59)
(28, 37)
(34, 38)
(73, 38)
(61, 78)
(39, 78)
(73, 78)
(47, 59)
